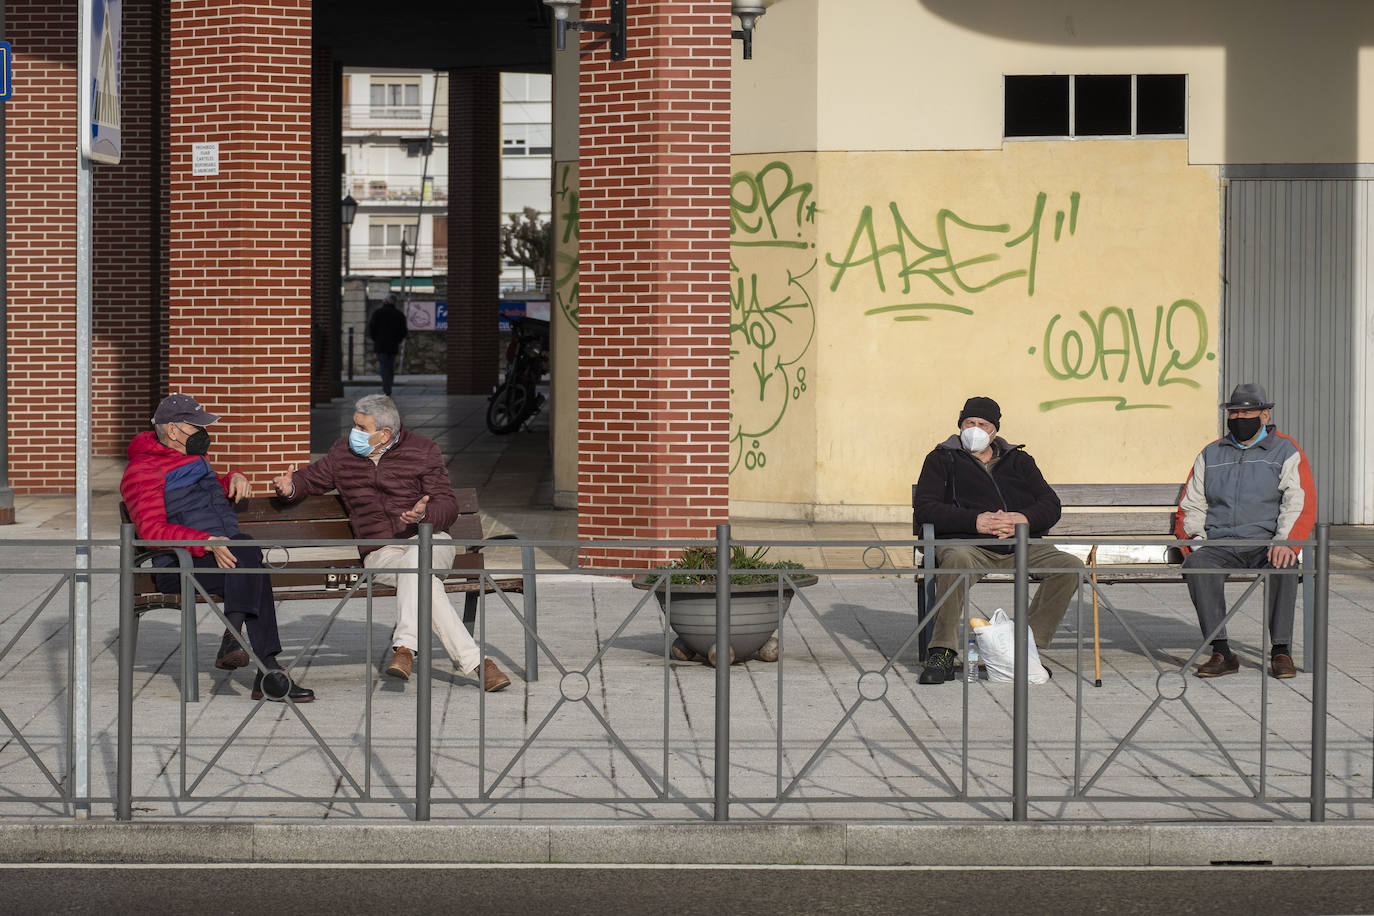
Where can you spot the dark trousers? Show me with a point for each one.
(247, 598)
(386, 367)
(1208, 590)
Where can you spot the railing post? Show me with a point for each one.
(1021, 687)
(424, 613)
(531, 603)
(722, 672)
(128, 623)
(1317, 654)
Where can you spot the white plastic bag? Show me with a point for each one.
(997, 645)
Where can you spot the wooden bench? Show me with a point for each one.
(322, 518)
(1105, 511)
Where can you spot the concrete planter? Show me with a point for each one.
(754, 613)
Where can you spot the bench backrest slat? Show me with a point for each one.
(1143, 509)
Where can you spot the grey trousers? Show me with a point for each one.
(1046, 609)
(1208, 590)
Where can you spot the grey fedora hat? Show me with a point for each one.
(1248, 396)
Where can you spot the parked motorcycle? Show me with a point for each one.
(517, 398)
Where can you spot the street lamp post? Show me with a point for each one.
(347, 210)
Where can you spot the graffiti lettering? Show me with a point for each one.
(565, 279)
(755, 197)
(1110, 343)
(966, 256)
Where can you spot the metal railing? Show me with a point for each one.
(786, 752)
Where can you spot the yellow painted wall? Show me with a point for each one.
(1077, 283)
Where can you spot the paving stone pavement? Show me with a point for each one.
(613, 734)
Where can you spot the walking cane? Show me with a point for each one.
(1097, 644)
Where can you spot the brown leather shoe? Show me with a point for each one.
(1219, 665)
(1282, 666)
(402, 660)
(493, 678)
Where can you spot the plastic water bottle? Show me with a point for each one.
(971, 660)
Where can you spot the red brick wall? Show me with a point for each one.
(654, 335)
(40, 171)
(474, 213)
(325, 264)
(127, 250)
(239, 334)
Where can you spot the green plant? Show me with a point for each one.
(528, 241)
(704, 558)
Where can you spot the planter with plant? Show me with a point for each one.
(686, 591)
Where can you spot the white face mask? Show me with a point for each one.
(975, 438)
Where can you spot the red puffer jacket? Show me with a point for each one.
(376, 493)
(143, 490)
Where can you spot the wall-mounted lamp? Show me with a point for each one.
(615, 28)
(748, 12)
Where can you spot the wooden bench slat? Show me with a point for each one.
(1107, 494)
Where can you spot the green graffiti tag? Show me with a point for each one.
(565, 276)
(1113, 341)
(965, 256)
(772, 311)
(756, 198)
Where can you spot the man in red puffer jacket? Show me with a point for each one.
(173, 494)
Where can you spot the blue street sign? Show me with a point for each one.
(6, 70)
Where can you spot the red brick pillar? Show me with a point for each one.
(239, 335)
(474, 216)
(128, 253)
(40, 173)
(654, 316)
(326, 261)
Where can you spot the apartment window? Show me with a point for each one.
(384, 239)
(1108, 105)
(395, 98)
(527, 140)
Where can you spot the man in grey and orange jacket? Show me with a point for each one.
(1253, 484)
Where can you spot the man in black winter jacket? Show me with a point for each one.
(976, 485)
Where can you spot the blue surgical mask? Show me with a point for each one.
(358, 441)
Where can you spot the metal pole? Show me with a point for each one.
(1317, 654)
(531, 614)
(1021, 688)
(722, 673)
(350, 352)
(81, 586)
(6, 492)
(128, 621)
(424, 614)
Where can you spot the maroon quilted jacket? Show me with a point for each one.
(375, 495)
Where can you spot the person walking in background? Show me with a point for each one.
(387, 329)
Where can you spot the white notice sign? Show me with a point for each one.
(204, 158)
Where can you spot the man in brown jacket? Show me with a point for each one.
(391, 479)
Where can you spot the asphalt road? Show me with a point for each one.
(532, 889)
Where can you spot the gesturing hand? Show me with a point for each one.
(238, 486)
(283, 485)
(224, 557)
(415, 514)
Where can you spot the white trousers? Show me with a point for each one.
(446, 622)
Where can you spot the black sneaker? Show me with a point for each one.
(940, 665)
(231, 655)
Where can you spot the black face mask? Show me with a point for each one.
(1243, 429)
(198, 443)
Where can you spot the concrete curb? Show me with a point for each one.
(950, 844)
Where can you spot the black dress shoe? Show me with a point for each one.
(278, 688)
(231, 655)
